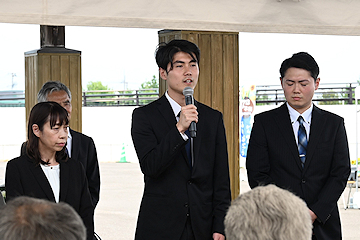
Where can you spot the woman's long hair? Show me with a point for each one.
(40, 114)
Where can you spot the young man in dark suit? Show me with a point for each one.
(184, 197)
(79, 146)
(302, 148)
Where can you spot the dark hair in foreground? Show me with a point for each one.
(26, 218)
(268, 213)
(40, 114)
(165, 52)
(50, 87)
(301, 60)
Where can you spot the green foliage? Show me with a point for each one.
(92, 86)
(262, 98)
(153, 83)
(330, 95)
(97, 88)
(101, 95)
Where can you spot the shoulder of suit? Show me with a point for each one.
(20, 159)
(161, 102)
(17, 159)
(79, 134)
(205, 108)
(153, 104)
(269, 112)
(326, 113)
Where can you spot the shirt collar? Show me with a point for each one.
(69, 134)
(174, 105)
(294, 115)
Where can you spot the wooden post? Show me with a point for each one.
(54, 62)
(218, 85)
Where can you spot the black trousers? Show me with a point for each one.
(188, 233)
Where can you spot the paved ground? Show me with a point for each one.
(121, 191)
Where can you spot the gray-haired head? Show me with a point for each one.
(28, 218)
(49, 87)
(268, 213)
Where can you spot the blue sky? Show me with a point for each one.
(124, 57)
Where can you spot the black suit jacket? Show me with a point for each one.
(273, 157)
(172, 189)
(25, 178)
(83, 149)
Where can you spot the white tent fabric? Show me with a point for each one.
(338, 17)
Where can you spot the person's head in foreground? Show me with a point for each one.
(268, 213)
(26, 218)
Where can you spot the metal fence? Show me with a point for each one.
(338, 93)
(327, 94)
(119, 98)
(92, 98)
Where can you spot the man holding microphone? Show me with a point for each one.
(186, 174)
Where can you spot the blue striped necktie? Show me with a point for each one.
(302, 141)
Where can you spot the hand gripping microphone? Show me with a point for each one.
(189, 99)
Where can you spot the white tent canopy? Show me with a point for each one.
(338, 17)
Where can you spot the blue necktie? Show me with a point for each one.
(302, 141)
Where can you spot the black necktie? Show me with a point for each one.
(188, 148)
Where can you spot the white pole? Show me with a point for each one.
(356, 119)
(356, 196)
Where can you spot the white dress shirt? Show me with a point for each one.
(69, 142)
(52, 174)
(294, 115)
(176, 109)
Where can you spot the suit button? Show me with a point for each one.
(189, 182)
(186, 205)
(303, 181)
(187, 214)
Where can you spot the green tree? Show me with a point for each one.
(329, 96)
(97, 88)
(151, 84)
(93, 86)
(262, 98)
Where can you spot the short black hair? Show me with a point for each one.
(301, 60)
(165, 52)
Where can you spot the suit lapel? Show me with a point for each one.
(64, 180)
(317, 125)
(283, 121)
(167, 113)
(197, 140)
(42, 180)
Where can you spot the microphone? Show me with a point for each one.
(189, 99)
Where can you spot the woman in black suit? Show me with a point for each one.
(45, 170)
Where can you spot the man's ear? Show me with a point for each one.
(36, 130)
(317, 82)
(163, 73)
